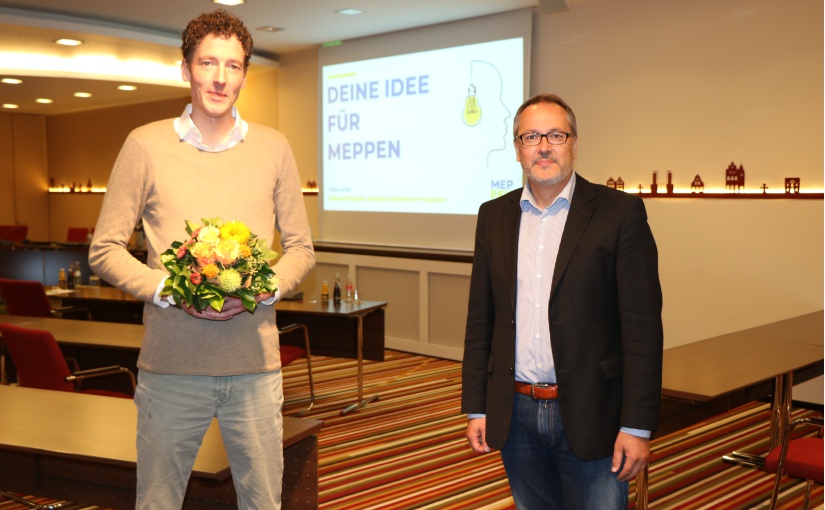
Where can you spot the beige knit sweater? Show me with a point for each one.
(164, 181)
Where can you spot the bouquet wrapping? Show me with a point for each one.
(218, 260)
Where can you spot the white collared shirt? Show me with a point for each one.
(189, 132)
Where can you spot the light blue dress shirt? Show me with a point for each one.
(539, 237)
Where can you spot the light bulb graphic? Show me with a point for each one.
(472, 111)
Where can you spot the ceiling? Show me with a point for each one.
(127, 33)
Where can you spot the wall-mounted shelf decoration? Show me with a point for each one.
(80, 191)
(311, 188)
(76, 187)
(734, 188)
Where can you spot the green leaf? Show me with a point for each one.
(247, 298)
(213, 222)
(191, 227)
(216, 302)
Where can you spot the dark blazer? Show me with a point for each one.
(605, 319)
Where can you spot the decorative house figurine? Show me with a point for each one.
(697, 186)
(734, 178)
(791, 184)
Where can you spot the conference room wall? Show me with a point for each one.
(685, 87)
(83, 146)
(7, 207)
(23, 173)
(691, 87)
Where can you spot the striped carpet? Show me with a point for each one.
(407, 450)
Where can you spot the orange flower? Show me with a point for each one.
(210, 270)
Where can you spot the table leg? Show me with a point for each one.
(361, 400)
(3, 375)
(641, 488)
(780, 418)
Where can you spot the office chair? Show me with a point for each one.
(28, 297)
(290, 353)
(30, 504)
(77, 235)
(40, 364)
(800, 458)
(13, 233)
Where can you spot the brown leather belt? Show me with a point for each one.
(540, 391)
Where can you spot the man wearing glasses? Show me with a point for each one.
(563, 347)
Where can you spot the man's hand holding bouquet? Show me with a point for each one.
(218, 260)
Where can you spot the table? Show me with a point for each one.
(333, 329)
(321, 318)
(712, 368)
(771, 353)
(105, 303)
(91, 344)
(82, 447)
(345, 323)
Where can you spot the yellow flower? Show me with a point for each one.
(210, 270)
(209, 235)
(235, 231)
(245, 251)
(227, 252)
(203, 253)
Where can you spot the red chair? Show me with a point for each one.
(40, 364)
(77, 235)
(290, 353)
(28, 297)
(14, 233)
(800, 458)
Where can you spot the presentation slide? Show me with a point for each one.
(427, 132)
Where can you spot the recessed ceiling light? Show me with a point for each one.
(69, 42)
(82, 94)
(269, 28)
(43, 100)
(126, 87)
(350, 12)
(12, 81)
(10, 106)
(228, 2)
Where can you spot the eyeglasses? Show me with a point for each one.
(553, 138)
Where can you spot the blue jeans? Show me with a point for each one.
(174, 412)
(543, 471)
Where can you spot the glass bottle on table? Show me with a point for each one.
(336, 290)
(324, 291)
(62, 279)
(349, 289)
(69, 277)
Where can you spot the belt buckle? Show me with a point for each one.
(538, 385)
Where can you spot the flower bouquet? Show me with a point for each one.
(218, 260)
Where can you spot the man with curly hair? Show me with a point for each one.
(196, 366)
